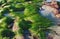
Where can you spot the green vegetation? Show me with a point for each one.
(23, 14)
(7, 33)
